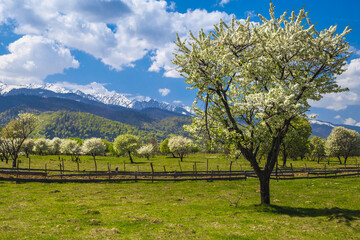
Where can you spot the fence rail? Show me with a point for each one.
(52, 175)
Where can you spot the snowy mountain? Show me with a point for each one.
(92, 92)
(323, 129)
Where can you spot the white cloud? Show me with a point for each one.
(354, 50)
(337, 117)
(223, 2)
(162, 60)
(139, 27)
(177, 102)
(32, 58)
(164, 91)
(349, 79)
(350, 121)
(250, 13)
(172, 5)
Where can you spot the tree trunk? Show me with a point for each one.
(284, 158)
(14, 163)
(346, 157)
(265, 190)
(95, 163)
(339, 160)
(173, 155)
(131, 160)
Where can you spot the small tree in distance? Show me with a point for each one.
(70, 147)
(127, 144)
(27, 146)
(296, 141)
(15, 133)
(180, 146)
(317, 148)
(94, 147)
(54, 146)
(164, 147)
(146, 150)
(41, 146)
(342, 142)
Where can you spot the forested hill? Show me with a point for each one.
(65, 124)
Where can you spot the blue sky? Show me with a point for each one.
(126, 45)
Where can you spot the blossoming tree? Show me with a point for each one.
(254, 79)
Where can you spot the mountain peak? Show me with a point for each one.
(94, 92)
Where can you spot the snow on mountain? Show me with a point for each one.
(5, 88)
(97, 92)
(313, 121)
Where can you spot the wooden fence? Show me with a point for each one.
(61, 175)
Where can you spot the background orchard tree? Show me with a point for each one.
(296, 141)
(146, 150)
(54, 146)
(70, 147)
(94, 147)
(253, 80)
(342, 142)
(108, 145)
(4, 154)
(317, 148)
(164, 147)
(27, 146)
(126, 143)
(180, 146)
(41, 146)
(15, 133)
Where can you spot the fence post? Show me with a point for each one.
(60, 170)
(136, 176)
(29, 163)
(63, 167)
(152, 171)
(164, 169)
(325, 169)
(17, 170)
(276, 171)
(218, 169)
(124, 165)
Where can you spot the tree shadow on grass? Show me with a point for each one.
(337, 214)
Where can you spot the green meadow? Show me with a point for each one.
(301, 209)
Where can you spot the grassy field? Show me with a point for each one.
(302, 209)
